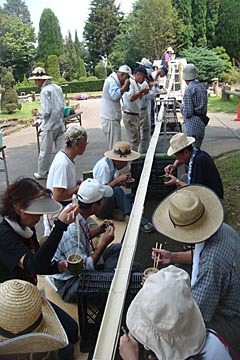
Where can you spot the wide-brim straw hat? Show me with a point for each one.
(191, 214)
(28, 323)
(43, 205)
(164, 317)
(179, 142)
(39, 74)
(170, 49)
(122, 152)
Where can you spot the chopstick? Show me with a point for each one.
(156, 260)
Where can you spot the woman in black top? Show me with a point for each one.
(21, 257)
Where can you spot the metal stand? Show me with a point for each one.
(67, 120)
(4, 169)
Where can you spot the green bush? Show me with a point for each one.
(73, 87)
(10, 101)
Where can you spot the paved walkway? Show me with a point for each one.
(21, 149)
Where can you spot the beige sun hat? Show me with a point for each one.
(39, 74)
(42, 204)
(28, 323)
(190, 215)
(179, 142)
(164, 317)
(122, 151)
(189, 72)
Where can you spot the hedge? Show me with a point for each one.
(73, 87)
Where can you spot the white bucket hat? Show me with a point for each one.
(28, 323)
(39, 74)
(189, 72)
(122, 152)
(164, 317)
(191, 214)
(91, 191)
(179, 142)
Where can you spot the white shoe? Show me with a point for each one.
(39, 177)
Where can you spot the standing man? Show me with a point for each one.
(114, 87)
(194, 107)
(132, 106)
(52, 113)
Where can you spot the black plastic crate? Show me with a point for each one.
(92, 297)
(156, 187)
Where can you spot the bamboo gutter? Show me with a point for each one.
(109, 331)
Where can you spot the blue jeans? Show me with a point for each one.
(119, 200)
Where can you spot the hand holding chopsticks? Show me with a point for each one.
(157, 257)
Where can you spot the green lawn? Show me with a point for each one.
(217, 105)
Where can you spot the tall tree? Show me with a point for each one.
(50, 41)
(184, 9)
(146, 32)
(19, 9)
(17, 44)
(211, 21)
(101, 28)
(199, 12)
(228, 28)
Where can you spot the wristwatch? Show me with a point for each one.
(177, 182)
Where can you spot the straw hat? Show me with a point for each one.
(39, 74)
(28, 323)
(179, 142)
(189, 72)
(42, 205)
(122, 151)
(164, 317)
(191, 214)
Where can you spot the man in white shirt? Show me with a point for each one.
(132, 106)
(51, 113)
(114, 87)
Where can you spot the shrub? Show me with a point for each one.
(10, 101)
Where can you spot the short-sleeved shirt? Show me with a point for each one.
(62, 172)
(104, 170)
(205, 172)
(134, 106)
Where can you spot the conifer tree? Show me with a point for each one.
(50, 40)
(199, 12)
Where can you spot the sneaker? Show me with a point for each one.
(118, 215)
(40, 177)
(146, 226)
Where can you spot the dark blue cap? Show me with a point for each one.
(141, 69)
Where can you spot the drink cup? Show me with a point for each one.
(75, 264)
(149, 272)
(130, 183)
(87, 175)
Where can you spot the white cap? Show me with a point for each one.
(125, 69)
(91, 191)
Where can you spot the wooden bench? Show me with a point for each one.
(73, 118)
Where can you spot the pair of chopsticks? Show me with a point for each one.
(157, 259)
